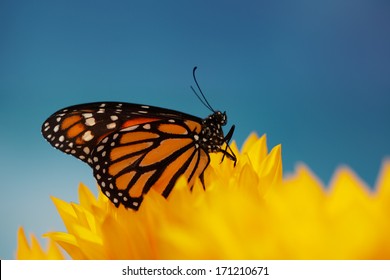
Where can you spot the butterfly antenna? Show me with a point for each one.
(203, 100)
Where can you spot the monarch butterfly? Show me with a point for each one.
(133, 147)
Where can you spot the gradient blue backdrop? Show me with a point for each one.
(312, 75)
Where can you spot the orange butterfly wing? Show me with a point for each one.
(133, 148)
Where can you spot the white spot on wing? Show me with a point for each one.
(111, 125)
(56, 128)
(146, 126)
(130, 128)
(113, 117)
(87, 115)
(86, 150)
(90, 122)
(87, 136)
(99, 148)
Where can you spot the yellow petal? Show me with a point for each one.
(270, 170)
(66, 212)
(257, 152)
(383, 182)
(35, 252)
(87, 199)
(69, 243)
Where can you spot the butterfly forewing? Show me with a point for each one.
(77, 130)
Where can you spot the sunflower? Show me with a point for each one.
(246, 212)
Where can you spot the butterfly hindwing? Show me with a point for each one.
(140, 156)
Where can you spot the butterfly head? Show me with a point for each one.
(217, 118)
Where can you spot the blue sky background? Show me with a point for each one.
(312, 75)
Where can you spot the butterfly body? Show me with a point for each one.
(133, 147)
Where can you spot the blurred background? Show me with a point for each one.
(312, 75)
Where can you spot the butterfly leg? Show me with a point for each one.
(230, 154)
(201, 177)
